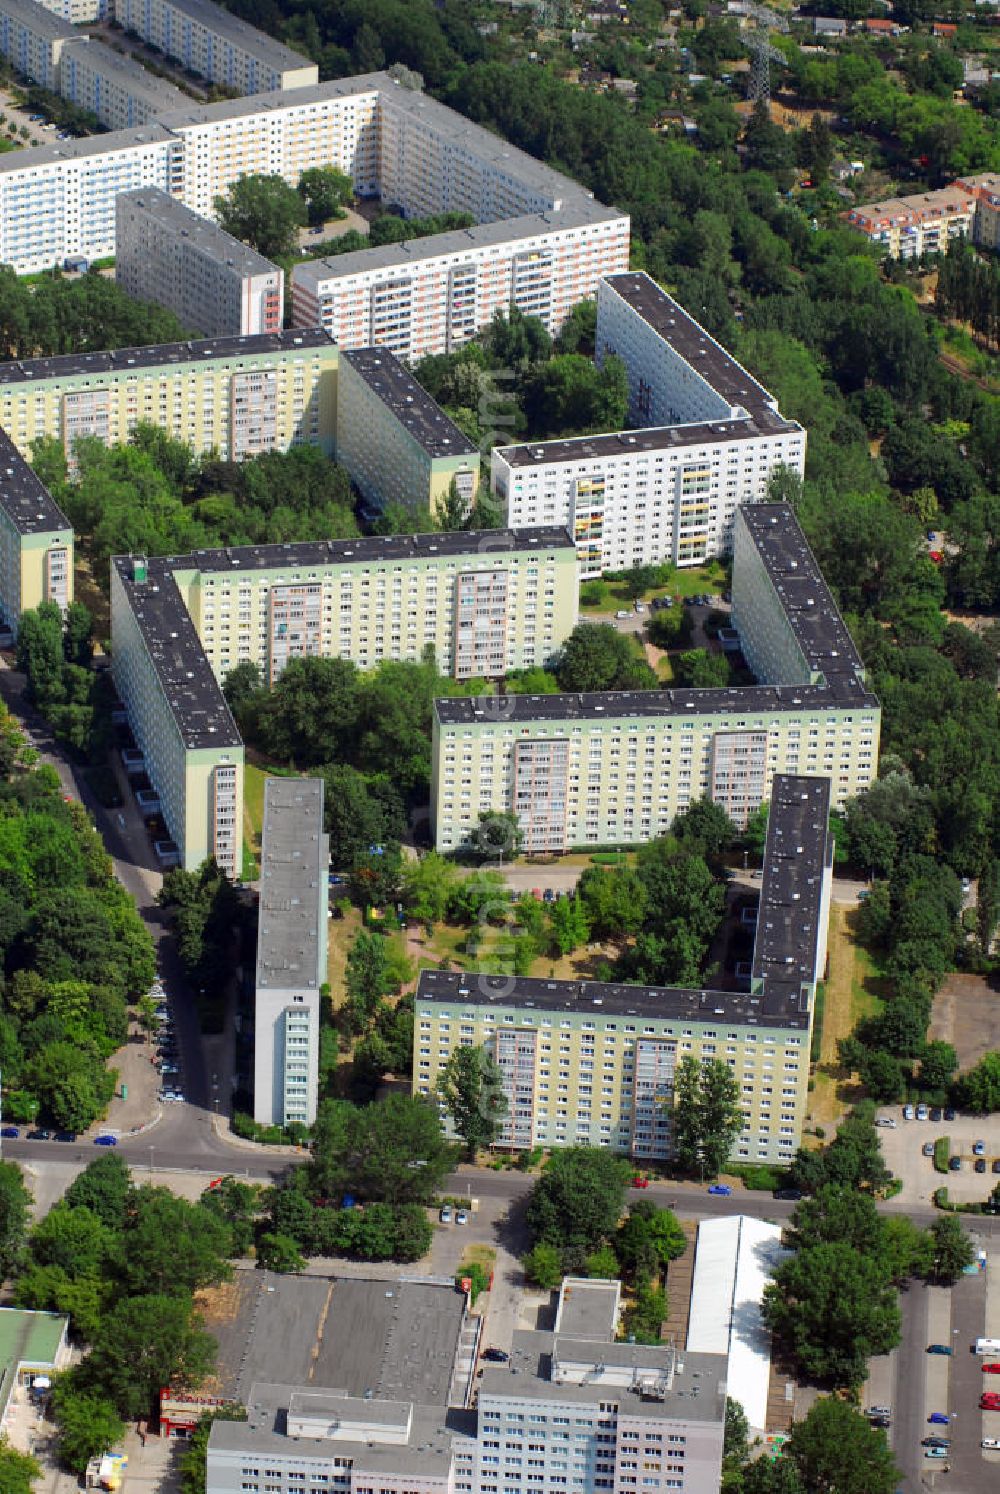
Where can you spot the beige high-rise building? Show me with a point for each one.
(238, 396)
(397, 443)
(618, 767)
(592, 1064)
(484, 603)
(210, 281)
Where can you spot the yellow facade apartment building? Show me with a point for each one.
(36, 542)
(484, 602)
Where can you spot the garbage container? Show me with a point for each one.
(124, 1091)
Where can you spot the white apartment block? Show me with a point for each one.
(214, 284)
(212, 42)
(574, 1412)
(432, 295)
(121, 93)
(618, 767)
(484, 603)
(291, 952)
(585, 1063)
(59, 200)
(239, 396)
(78, 12)
(708, 438)
(32, 39)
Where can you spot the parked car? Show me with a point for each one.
(939, 1349)
(9, 1132)
(907, 1112)
(928, 1149)
(105, 1140)
(922, 1112)
(955, 1164)
(996, 1164)
(935, 1112)
(65, 1136)
(950, 1114)
(40, 1134)
(789, 1193)
(935, 1442)
(720, 1190)
(622, 613)
(991, 1369)
(640, 606)
(939, 1419)
(445, 1215)
(640, 1182)
(886, 1120)
(461, 1217)
(878, 1411)
(496, 1356)
(979, 1148)
(980, 1164)
(990, 1400)
(992, 1444)
(935, 1452)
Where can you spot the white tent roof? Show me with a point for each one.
(734, 1261)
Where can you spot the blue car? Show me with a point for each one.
(939, 1419)
(721, 1190)
(105, 1140)
(9, 1131)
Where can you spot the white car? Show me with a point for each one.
(461, 1217)
(622, 614)
(922, 1112)
(907, 1112)
(991, 1443)
(886, 1120)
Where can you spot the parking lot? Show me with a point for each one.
(902, 1148)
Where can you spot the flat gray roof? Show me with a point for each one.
(60, 151)
(588, 1309)
(390, 1340)
(427, 1451)
(787, 934)
(125, 71)
(201, 233)
(697, 1391)
(37, 19)
(215, 18)
(688, 338)
(798, 851)
(194, 695)
(577, 213)
(202, 350)
(294, 859)
(808, 602)
(24, 498)
(409, 402)
(764, 422)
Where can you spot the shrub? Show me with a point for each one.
(942, 1151)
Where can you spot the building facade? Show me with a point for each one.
(239, 396)
(484, 603)
(191, 748)
(212, 42)
(585, 1063)
(36, 541)
(574, 1410)
(707, 438)
(394, 143)
(617, 767)
(926, 223)
(32, 38)
(291, 952)
(77, 12)
(396, 442)
(211, 282)
(117, 90)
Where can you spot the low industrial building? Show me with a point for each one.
(34, 1346)
(573, 1410)
(397, 443)
(237, 396)
(483, 602)
(213, 284)
(209, 40)
(705, 437)
(734, 1261)
(591, 1063)
(617, 767)
(36, 541)
(291, 952)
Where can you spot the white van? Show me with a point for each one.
(987, 1346)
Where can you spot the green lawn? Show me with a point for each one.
(610, 595)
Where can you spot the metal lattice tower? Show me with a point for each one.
(762, 54)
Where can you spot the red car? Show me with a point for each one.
(991, 1369)
(640, 1182)
(989, 1401)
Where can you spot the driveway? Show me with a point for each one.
(902, 1147)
